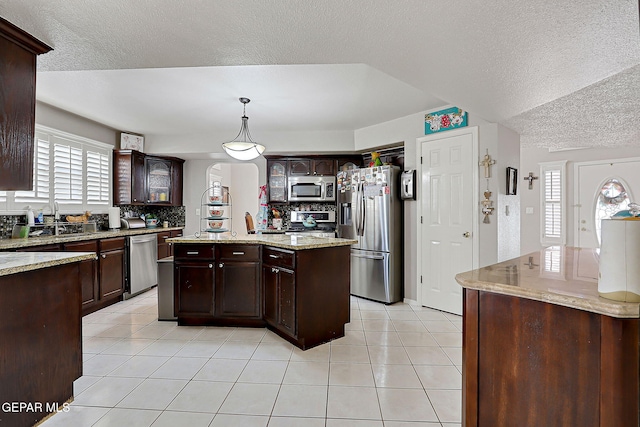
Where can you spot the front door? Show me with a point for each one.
(448, 206)
(590, 178)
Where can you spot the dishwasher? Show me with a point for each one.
(141, 263)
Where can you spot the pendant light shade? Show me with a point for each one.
(242, 147)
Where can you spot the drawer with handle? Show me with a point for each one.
(239, 252)
(183, 252)
(278, 257)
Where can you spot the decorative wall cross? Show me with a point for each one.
(487, 162)
(530, 178)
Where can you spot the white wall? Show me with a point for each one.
(312, 142)
(53, 117)
(530, 159)
(195, 183)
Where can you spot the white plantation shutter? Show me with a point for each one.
(67, 174)
(552, 200)
(41, 179)
(97, 178)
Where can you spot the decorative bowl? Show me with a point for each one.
(215, 212)
(152, 222)
(215, 199)
(215, 224)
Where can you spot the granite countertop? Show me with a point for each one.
(39, 241)
(18, 262)
(563, 276)
(277, 240)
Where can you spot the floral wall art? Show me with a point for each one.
(450, 118)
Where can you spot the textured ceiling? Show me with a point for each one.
(560, 73)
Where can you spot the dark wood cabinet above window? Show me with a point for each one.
(141, 179)
(18, 51)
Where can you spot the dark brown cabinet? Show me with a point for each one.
(277, 180)
(302, 295)
(88, 271)
(54, 247)
(194, 276)
(166, 249)
(111, 268)
(194, 289)
(141, 179)
(18, 51)
(237, 286)
(316, 166)
(279, 289)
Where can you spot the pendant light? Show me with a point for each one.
(242, 146)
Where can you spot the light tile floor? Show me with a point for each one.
(397, 366)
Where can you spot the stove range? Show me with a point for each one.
(325, 224)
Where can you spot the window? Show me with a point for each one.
(69, 169)
(612, 197)
(552, 202)
(40, 193)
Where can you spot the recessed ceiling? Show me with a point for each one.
(543, 69)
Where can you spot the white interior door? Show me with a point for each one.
(448, 217)
(589, 178)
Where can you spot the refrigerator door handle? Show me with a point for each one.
(363, 211)
(357, 212)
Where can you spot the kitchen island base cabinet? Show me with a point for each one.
(533, 363)
(306, 297)
(237, 285)
(41, 341)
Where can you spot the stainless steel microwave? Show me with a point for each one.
(312, 188)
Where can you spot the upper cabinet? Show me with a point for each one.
(280, 168)
(18, 52)
(140, 179)
(277, 180)
(304, 167)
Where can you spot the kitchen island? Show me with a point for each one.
(40, 333)
(542, 348)
(299, 287)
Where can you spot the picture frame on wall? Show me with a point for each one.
(512, 181)
(130, 141)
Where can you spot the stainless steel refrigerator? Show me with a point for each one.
(369, 210)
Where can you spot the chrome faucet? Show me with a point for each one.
(56, 219)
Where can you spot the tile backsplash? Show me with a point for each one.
(175, 215)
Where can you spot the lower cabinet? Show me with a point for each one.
(302, 295)
(279, 296)
(237, 284)
(166, 249)
(111, 267)
(88, 271)
(193, 277)
(102, 280)
(194, 289)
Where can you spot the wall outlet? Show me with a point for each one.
(529, 210)
(198, 211)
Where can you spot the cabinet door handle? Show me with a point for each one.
(210, 265)
(238, 253)
(104, 256)
(274, 256)
(192, 252)
(221, 265)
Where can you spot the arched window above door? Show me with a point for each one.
(612, 197)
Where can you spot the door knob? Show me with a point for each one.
(466, 234)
